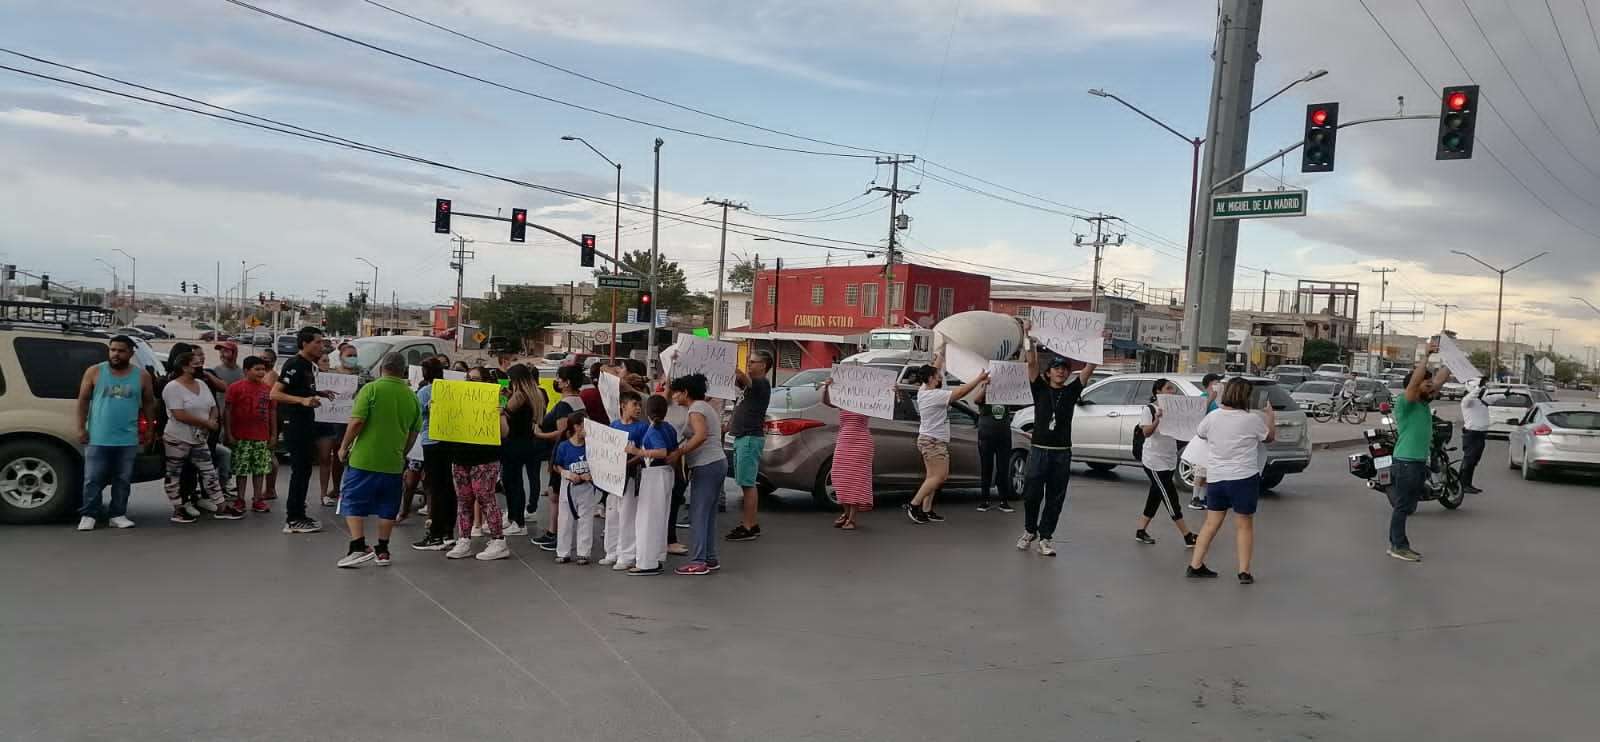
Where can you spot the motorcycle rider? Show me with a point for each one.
(1413, 422)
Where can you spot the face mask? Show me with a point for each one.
(348, 361)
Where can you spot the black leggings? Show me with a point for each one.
(441, 490)
(1161, 488)
(680, 484)
(519, 457)
(994, 459)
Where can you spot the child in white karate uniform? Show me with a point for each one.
(621, 514)
(658, 451)
(577, 495)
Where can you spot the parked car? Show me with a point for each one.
(1452, 390)
(1370, 393)
(132, 332)
(1102, 427)
(1313, 393)
(370, 350)
(156, 332)
(288, 345)
(1332, 371)
(1290, 368)
(1290, 379)
(1556, 435)
(214, 335)
(1508, 405)
(200, 325)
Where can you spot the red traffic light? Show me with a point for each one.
(644, 298)
(1456, 101)
(1319, 116)
(444, 205)
(519, 215)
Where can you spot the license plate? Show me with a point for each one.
(1383, 462)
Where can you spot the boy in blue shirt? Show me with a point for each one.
(577, 494)
(658, 450)
(622, 512)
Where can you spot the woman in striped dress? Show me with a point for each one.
(852, 463)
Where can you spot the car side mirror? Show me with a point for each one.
(1085, 402)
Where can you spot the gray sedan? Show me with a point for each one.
(1556, 435)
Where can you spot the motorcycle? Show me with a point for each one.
(1374, 466)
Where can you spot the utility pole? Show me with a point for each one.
(1499, 304)
(216, 304)
(1514, 326)
(655, 253)
(361, 318)
(1383, 282)
(458, 262)
(1383, 326)
(1444, 324)
(1264, 275)
(1099, 244)
(895, 197)
(1553, 332)
(722, 261)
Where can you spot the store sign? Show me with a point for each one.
(825, 320)
(1158, 331)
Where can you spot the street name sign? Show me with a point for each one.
(1258, 205)
(619, 282)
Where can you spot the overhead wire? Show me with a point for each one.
(829, 207)
(1570, 66)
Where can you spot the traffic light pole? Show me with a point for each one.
(655, 248)
(1297, 145)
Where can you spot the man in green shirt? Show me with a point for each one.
(1413, 423)
(383, 424)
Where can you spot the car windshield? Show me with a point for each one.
(810, 377)
(1274, 393)
(1576, 419)
(1511, 399)
(369, 351)
(1366, 385)
(1317, 387)
(890, 341)
(1327, 367)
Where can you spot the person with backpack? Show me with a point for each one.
(1157, 452)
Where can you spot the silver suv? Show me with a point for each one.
(1102, 426)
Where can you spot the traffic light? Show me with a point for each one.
(44, 282)
(183, 287)
(11, 272)
(519, 225)
(1322, 132)
(586, 259)
(1458, 116)
(261, 298)
(441, 215)
(272, 295)
(645, 307)
(195, 287)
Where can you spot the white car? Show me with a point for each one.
(1508, 405)
(1556, 435)
(1332, 371)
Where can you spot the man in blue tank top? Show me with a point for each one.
(110, 398)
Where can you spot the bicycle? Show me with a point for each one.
(1345, 409)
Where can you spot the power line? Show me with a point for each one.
(829, 207)
(529, 93)
(1570, 65)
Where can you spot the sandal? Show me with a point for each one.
(848, 525)
(840, 521)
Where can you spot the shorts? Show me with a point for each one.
(330, 430)
(364, 493)
(933, 448)
(251, 459)
(747, 458)
(1238, 495)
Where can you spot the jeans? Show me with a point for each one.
(103, 465)
(519, 457)
(1472, 450)
(301, 440)
(1048, 472)
(1408, 477)
(705, 483)
(993, 459)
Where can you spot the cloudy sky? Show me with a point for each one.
(987, 90)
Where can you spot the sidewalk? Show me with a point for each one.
(1333, 434)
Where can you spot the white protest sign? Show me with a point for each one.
(414, 376)
(866, 390)
(1074, 334)
(1180, 415)
(1456, 361)
(343, 386)
(1008, 383)
(606, 449)
(962, 363)
(454, 375)
(611, 395)
(666, 359)
(714, 359)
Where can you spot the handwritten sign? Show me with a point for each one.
(455, 375)
(715, 359)
(343, 386)
(1074, 334)
(1180, 415)
(1008, 383)
(667, 355)
(1454, 359)
(866, 390)
(611, 395)
(962, 363)
(465, 412)
(607, 451)
(414, 376)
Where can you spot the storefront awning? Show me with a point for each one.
(817, 337)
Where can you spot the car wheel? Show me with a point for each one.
(1271, 480)
(1511, 461)
(1529, 471)
(1100, 466)
(1019, 473)
(1185, 478)
(38, 482)
(822, 491)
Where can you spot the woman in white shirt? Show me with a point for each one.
(1234, 434)
(1160, 460)
(191, 416)
(933, 435)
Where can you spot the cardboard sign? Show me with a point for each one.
(611, 395)
(1180, 415)
(1008, 383)
(667, 354)
(715, 359)
(455, 375)
(864, 389)
(343, 386)
(414, 376)
(607, 451)
(962, 363)
(1074, 334)
(1460, 367)
(465, 412)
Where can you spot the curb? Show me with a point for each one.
(1337, 445)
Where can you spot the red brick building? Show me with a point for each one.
(811, 317)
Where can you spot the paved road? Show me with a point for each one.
(895, 632)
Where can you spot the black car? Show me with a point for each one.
(157, 332)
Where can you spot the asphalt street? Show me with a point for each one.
(233, 631)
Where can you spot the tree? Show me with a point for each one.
(340, 320)
(520, 313)
(1480, 360)
(672, 288)
(1319, 351)
(742, 276)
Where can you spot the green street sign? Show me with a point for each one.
(619, 282)
(1258, 205)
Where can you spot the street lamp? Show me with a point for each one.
(366, 304)
(1499, 302)
(616, 239)
(133, 281)
(113, 270)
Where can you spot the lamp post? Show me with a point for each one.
(133, 281)
(1499, 303)
(655, 246)
(616, 239)
(113, 270)
(366, 304)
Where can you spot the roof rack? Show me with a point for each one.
(64, 316)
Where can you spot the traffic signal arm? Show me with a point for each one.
(1221, 184)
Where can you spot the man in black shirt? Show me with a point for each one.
(749, 438)
(1055, 397)
(297, 397)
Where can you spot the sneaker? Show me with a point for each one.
(514, 530)
(916, 515)
(637, 572)
(983, 507)
(581, 561)
(302, 525)
(206, 505)
(543, 538)
(563, 560)
(430, 543)
(1405, 555)
(1245, 578)
(329, 501)
(1142, 537)
(546, 545)
(933, 516)
(86, 523)
(607, 561)
(1025, 541)
(461, 550)
(497, 549)
(621, 566)
(423, 511)
(1195, 503)
(383, 559)
(693, 568)
(230, 511)
(713, 566)
(357, 558)
(1200, 571)
(1047, 547)
(1471, 490)
(678, 549)
(181, 515)
(261, 506)
(740, 533)
(121, 521)
(1005, 507)
(1189, 540)
(190, 510)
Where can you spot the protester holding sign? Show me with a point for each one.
(1055, 398)
(383, 424)
(441, 533)
(1159, 457)
(749, 438)
(994, 450)
(475, 466)
(933, 435)
(851, 473)
(702, 451)
(342, 381)
(622, 511)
